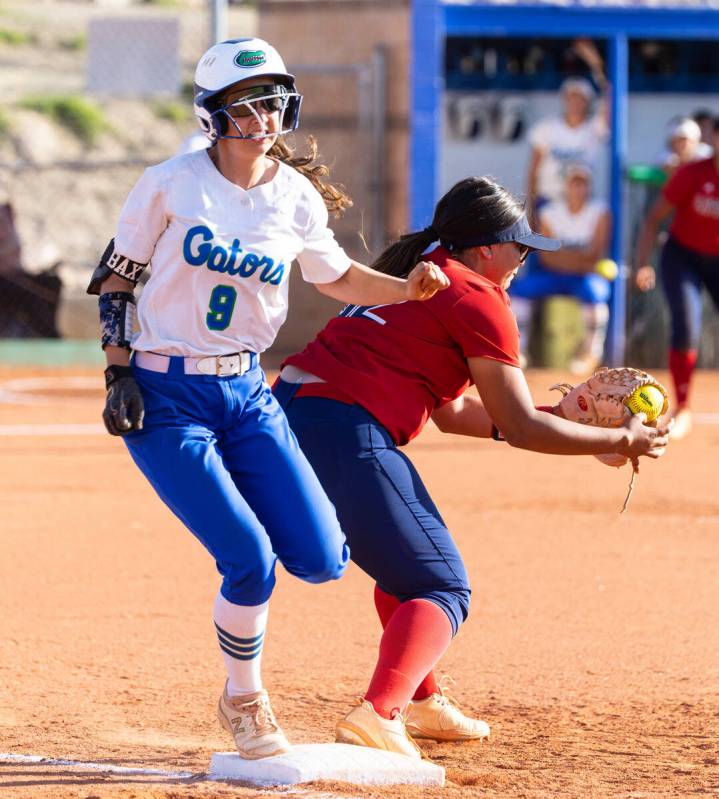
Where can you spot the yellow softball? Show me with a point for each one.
(646, 399)
(607, 268)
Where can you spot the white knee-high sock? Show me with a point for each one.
(241, 634)
(522, 309)
(596, 320)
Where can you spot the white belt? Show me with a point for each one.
(218, 365)
(294, 375)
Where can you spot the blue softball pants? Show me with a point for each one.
(395, 532)
(683, 272)
(220, 454)
(539, 282)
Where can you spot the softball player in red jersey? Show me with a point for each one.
(690, 258)
(221, 228)
(368, 383)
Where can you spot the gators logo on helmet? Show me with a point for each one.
(250, 58)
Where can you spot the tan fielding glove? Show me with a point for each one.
(601, 401)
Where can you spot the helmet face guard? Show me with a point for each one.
(219, 104)
(257, 102)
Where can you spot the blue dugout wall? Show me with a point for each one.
(433, 22)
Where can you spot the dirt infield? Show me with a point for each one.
(591, 648)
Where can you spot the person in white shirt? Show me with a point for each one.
(220, 228)
(575, 136)
(683, 145)
(583, 226)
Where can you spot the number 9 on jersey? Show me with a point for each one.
(222, 304)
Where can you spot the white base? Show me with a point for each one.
(332, 762)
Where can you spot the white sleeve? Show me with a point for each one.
(322, 260)
(539, 134)
(600, 207)
(547, 214)
(142, 219)
(600, 128)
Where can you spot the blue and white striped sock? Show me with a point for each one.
(241, 633)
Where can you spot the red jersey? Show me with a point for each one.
(400, 362)
(694, 190)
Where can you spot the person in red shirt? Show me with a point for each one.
(689, 259)
(367, 384)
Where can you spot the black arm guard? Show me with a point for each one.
(112, 262)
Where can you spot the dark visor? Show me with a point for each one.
(520, 232)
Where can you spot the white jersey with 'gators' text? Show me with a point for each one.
(220, 255)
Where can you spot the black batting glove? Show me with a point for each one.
(124, 407)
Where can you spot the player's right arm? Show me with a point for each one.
(117, 356)
(464, 416)
(142, 221)
(535, 161)
(124, 408)
(645, 278)
(507, 399)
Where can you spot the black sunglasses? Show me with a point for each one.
(269, 98)
(523, 251)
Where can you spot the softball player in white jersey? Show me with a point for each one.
(220, 228)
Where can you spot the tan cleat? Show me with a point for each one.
(363, 726)
(439, 718)
(253, 725)
(682, 424)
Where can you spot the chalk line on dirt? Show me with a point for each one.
(286, 790)
(52, 430)
(9, 757)
(20, 390)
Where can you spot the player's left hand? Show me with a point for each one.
(601, 401)
(425, 280)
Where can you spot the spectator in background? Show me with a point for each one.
(575, 136)
(705, 119)
(683, 145)
(689, 259)
(582, 224)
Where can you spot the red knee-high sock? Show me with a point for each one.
(415, 638)
(681, 365)
(386, 605)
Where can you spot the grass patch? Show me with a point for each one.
(78, 114)
(73, 43)
(187, 92)
(15, 37)
(172, 111)
(4, 124)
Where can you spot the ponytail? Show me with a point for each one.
(334, 196)
(471, 207)
(400, 258)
